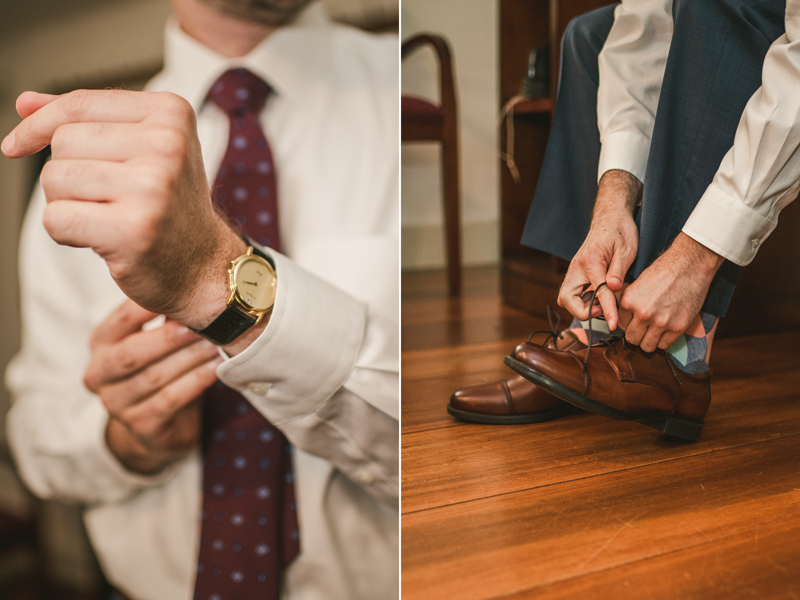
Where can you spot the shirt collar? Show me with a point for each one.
(288, 60)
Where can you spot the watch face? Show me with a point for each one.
(255, 282)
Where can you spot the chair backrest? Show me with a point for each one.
(446, 77)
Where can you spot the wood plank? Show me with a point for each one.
(449, 310)
(753, 564)
(510, 543)
(422, 365)
(480, 329)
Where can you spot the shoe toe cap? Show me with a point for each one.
(488, 398)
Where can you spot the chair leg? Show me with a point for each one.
(452, 219)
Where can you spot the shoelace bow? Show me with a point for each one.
(612, 340)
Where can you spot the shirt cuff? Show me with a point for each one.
(728, 226)
(626, 151)
(307, 350)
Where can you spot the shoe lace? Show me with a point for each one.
(612, 340)
(554, 333)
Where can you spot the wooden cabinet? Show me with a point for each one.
(530, 278)
(768, 291)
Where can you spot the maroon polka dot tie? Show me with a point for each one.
(249, 521)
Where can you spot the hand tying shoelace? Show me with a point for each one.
(625, 384)
(610, 341)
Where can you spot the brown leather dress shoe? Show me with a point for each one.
(512, 401)
(620, 381)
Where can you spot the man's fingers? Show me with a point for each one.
(635, 332)
(136, 351)
(29, 102)
(83, 224)
(620, 264)
(668, 339)
(124, 321)
(569, 296)
(107, 106)
(608, 301)
(624, 318)
(85, 180)
(148, 418)
(160, 374)
(113, 141)
(651, 339)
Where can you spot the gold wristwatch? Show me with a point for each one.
(253, 285)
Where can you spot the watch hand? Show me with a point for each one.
(255, 283)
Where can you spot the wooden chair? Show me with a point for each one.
(423, 121)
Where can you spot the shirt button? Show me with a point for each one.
(259, 387)
(754, 244)
(364, 476)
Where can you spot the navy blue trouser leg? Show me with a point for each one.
(561, 211)
(713, 69)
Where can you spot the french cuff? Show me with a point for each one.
(626, 151)
(110, 473)
(728, 226)
(307, 350)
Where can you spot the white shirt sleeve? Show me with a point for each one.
(759, 175)
(631, 66)
(325, 372)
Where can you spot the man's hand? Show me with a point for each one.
(127, 180)
(149, 382)
(666, 298)
(607, 252)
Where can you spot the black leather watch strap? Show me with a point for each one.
(233, 321)
(258, 252)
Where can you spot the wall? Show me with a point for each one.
(471, 28)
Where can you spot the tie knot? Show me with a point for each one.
(238, 91)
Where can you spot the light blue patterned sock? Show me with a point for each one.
(691, 351)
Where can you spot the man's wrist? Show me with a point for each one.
(618, 191)
(705, 261)
(210, 295)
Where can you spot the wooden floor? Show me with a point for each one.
(586, 507)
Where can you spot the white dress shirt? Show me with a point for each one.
(758, 176)
(325, 369)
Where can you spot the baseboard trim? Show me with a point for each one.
(423, 246)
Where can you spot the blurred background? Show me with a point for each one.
(55, 46)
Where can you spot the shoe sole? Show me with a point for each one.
(523, 419)
(684, 428)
